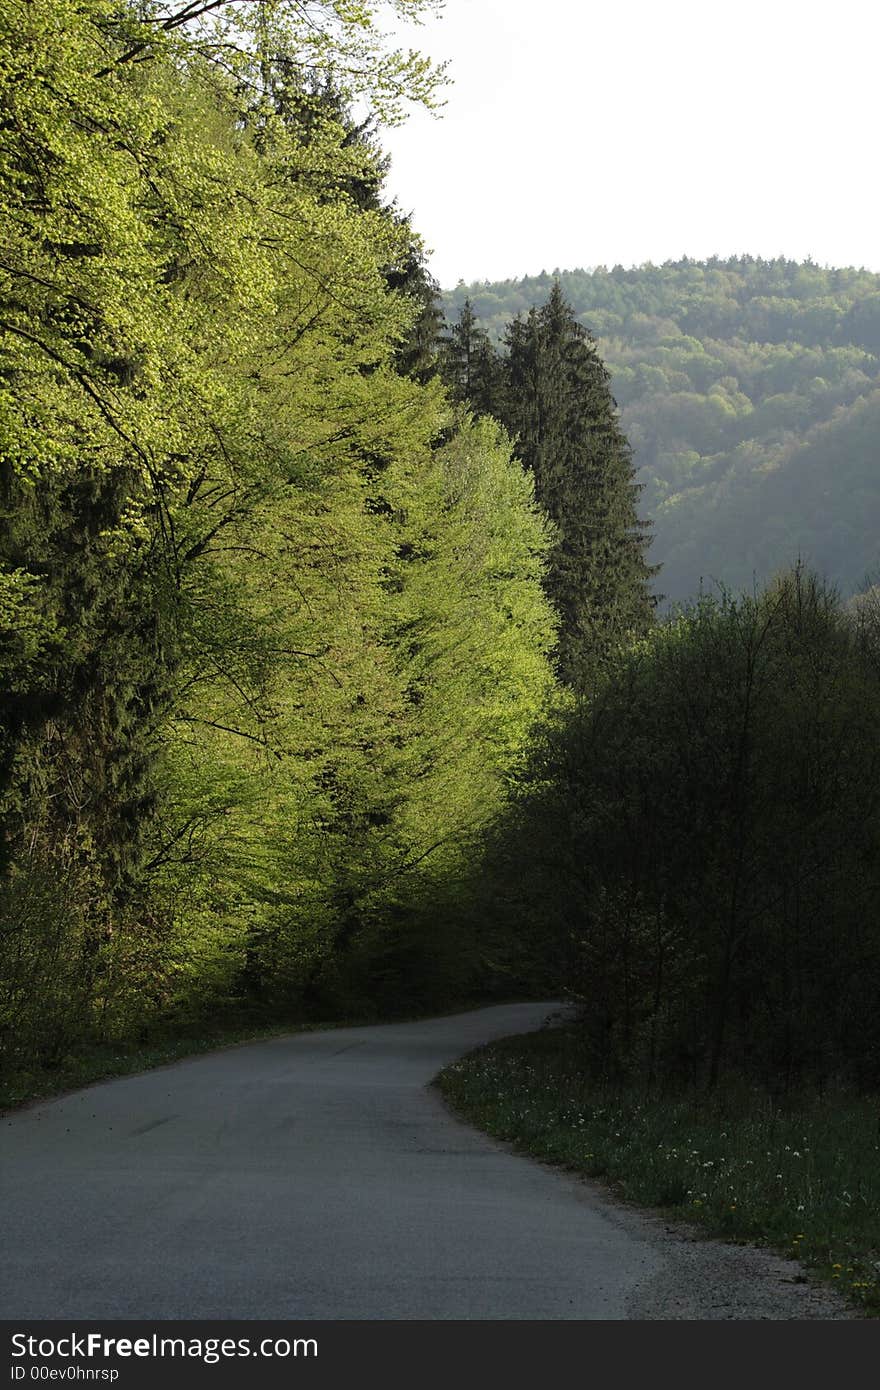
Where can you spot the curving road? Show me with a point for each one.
(315, 1177)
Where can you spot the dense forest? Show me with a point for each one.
(750, 393)
(333, 681)
(273, 624)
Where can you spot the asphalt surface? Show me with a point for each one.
(318, 1176)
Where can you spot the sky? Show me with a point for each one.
(579, 134)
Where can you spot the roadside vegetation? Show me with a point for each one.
(272, 625)
(694, 846)
(800, 1175)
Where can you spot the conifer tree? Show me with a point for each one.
(557, 403)
(469, 364)
(416, 355)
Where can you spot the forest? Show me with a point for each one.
(750, 392)
(273, 624)
(335, 682)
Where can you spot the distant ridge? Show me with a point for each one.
(750, 392)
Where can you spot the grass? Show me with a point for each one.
(803, 1178)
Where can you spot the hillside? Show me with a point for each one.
(750, 392)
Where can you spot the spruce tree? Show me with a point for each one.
(469, 364)
(557, 403)
(416, 355)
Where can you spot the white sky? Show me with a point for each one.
(622, 131)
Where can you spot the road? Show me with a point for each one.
(317, 1176)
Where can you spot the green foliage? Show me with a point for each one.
(551, 391)
(703, 838)
(471, 368)
(257, 622)
(738, 381)
(432, 667)
(557, 404)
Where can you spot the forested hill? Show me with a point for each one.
(750, 392)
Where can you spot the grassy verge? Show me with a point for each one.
(803, 1179)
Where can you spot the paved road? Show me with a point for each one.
(312, 1176)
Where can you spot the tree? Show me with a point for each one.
(703, 833)
(310, 106)
(396, 747)
(469, 364)
(558, 405)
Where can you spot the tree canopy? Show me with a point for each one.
(273, 625)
